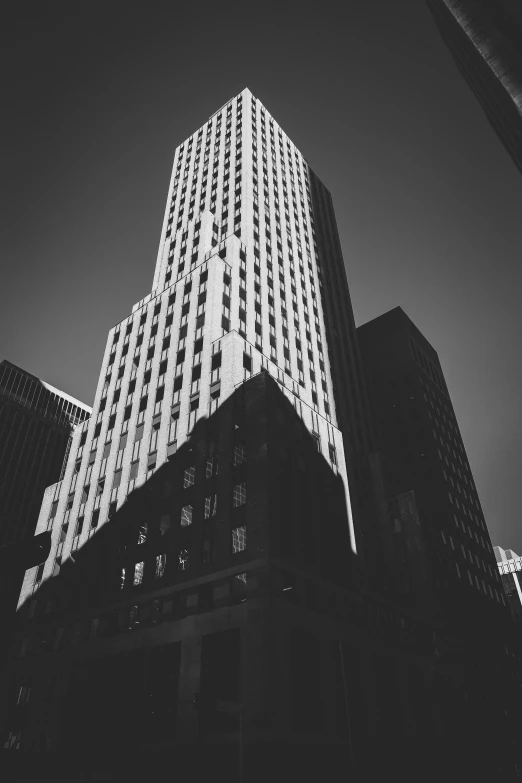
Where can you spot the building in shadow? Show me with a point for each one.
(223, 590)
(485, 40)
(436, 540)
(36, 425)
(218, 618)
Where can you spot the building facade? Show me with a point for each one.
(485, 40)
(36, 427)
(36, 423)
(435, 548)
(238, 274)
(206, 595)
(424, 453)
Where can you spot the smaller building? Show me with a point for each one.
(36, 421)
(36, 424)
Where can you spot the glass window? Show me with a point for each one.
(142, 533)
(239, 495)
(210, 506)
(188, 477)
(186, 516)
(239, 454)
(138, 573)
(161, 562)
(239, 539)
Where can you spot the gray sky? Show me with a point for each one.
(428, 202)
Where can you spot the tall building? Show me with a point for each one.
(36, 423)
(485, 40)
(423, 452)
(207, 592)
(238, 288)
(249, 279)
(437, 551)
(509, 566)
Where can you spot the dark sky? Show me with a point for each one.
(97, 96)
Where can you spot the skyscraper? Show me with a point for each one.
(424, 452)
(249, 276)
(435, 546)
(36, 422)
(249, 292)
(211, 577)
(485, 40)
(36, 425)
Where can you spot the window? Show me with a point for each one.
(161, 561)
(210, 506)
(239, 539)
(212, 467)
(142, 533)
(138, 573)
(239, 454)
(133, 470)
(333, 454)
(188, 477)
(239, 495)
(186, 516)
(183, 560)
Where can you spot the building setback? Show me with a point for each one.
(485, 40)
(210, 590)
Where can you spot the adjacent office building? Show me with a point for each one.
(435, 547)
(485, 40)
(212, 580)
(36, 424)
(423, 452)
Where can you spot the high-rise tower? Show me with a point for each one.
(249, 276)
(203, 587)
(249, 306)
(485, 40)
(36, 421)
(36, 425)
